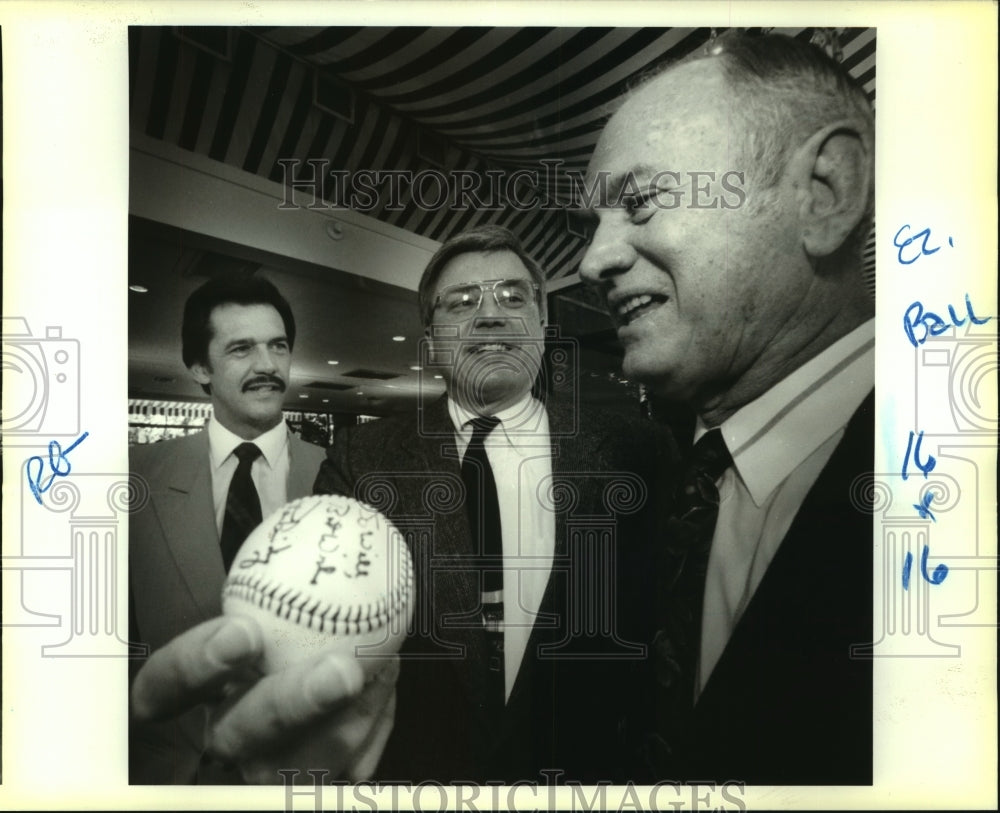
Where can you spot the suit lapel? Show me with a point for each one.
(187, 517)
(301, 476)
(456, 585)
(455, 589)
(802, 550)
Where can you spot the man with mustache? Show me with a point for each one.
(237, 338)
(757, 317)
(500, 678)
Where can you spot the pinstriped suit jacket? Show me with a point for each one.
(602, 464)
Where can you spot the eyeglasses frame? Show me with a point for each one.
(491, 286)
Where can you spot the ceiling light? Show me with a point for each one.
(416, 368)
(331, 361)
(439, 376)
(326, 400)
(399, 338)
(139, 289)
(303, 395)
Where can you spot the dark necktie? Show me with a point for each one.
(483, 510)
(243, 512)
(681, 589)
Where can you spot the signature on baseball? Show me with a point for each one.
(257, 560)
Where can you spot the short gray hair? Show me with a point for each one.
(788, 89)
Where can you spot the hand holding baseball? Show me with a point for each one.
(318, 599)
(318, 714)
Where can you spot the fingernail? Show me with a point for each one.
(333, 679)
(236, 642)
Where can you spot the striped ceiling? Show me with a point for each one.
(487, 101)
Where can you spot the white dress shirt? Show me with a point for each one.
(269, 472)
(520, 455)
(779, 443)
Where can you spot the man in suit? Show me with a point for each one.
(752, 309)
(497, 675)
(482, 301)
(237, 339)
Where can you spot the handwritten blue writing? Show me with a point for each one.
(923, 251)
(58, 463)
(923, 507)
(936, 577)
(925, 466)
(932, 324)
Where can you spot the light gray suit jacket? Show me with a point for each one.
(176, 575)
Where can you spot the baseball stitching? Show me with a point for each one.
(303, 609)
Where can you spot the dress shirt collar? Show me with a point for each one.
(222, 442)
(799, 413)
(525, 418)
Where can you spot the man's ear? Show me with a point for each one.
(200, 373)
(834, 173)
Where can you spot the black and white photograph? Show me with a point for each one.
(644, 249)
(495, 416)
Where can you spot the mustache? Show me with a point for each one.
(265, 379)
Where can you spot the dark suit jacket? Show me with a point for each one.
(443, 728)
(787, 703)
(176, 575)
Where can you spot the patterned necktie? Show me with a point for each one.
(483, 509)
(243, 512)
(681, 589)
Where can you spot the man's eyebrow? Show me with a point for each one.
(615, 185)
(281, 337)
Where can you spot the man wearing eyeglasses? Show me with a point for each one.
(477, 699)
(497, 677)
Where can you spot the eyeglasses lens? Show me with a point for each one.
(464, 300)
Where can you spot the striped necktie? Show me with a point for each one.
(681, 589)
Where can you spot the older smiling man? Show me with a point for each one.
(759, 319)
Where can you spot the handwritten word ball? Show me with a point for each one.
(321, 574)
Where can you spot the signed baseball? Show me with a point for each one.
(323, 573)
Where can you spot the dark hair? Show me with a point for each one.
(480, 239)
(196, 331)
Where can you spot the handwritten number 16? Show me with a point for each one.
(936, 577)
